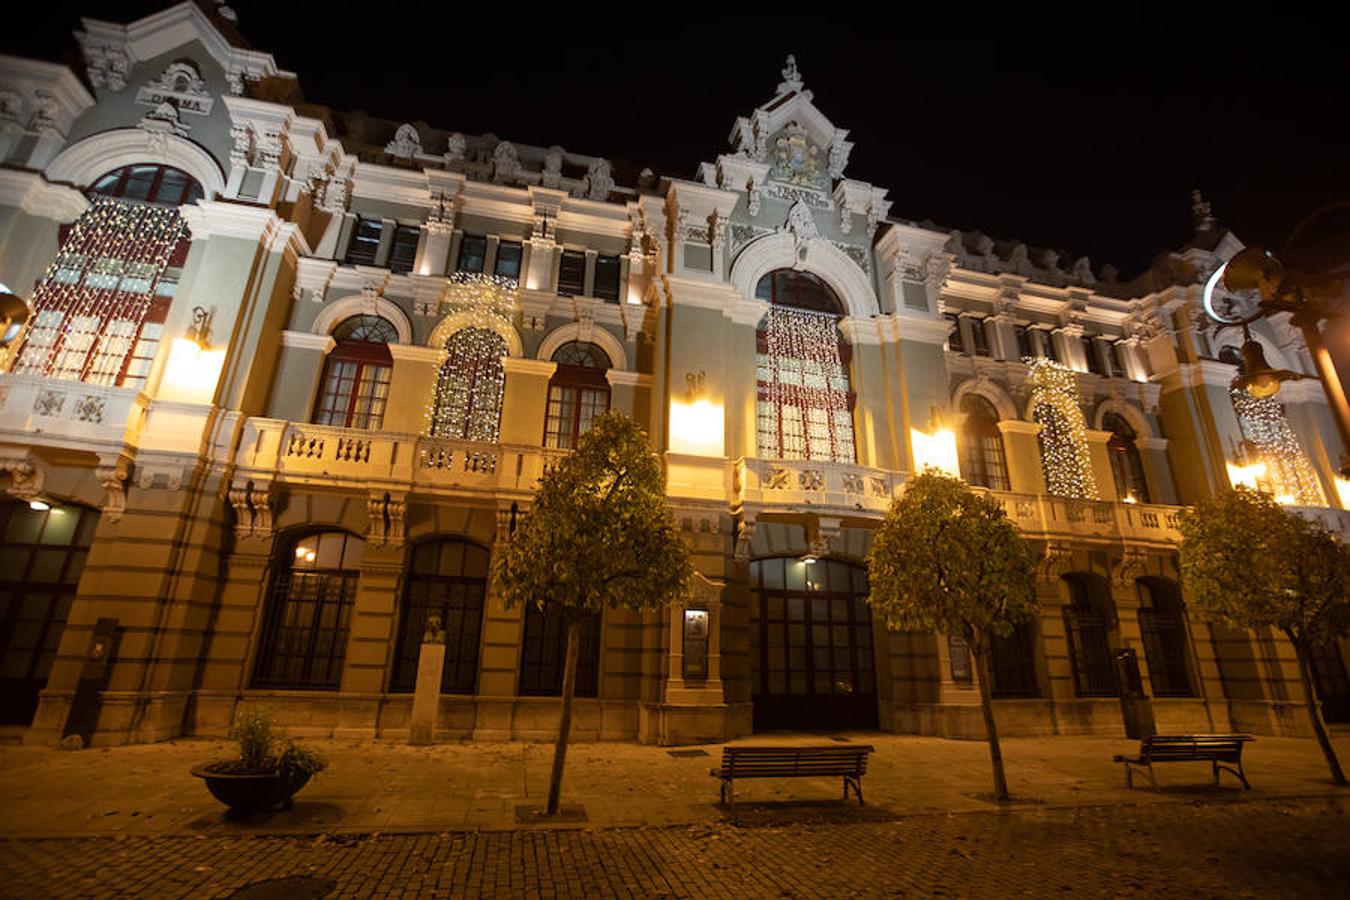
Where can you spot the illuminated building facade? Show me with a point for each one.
(292, 373)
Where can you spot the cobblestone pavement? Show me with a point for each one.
(1209, 848)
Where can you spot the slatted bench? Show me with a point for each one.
(845, 761)
(1212, 748)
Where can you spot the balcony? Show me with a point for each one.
(50, 411)
(324, 455)
(1101, 520)
(818, 486)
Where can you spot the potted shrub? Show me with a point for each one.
(269, 770)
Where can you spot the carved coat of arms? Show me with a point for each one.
(796, 159)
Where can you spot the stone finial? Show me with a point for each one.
(792, 79)
(1202, 217)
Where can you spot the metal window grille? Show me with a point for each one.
(543, 654)
(1012, 666)
(305, 635)
(1164, 637)
(447, 579)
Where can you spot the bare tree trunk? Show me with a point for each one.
(990, 729)
(1314, 714)
(569, 686)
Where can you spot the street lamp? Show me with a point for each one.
(13, 315)
(1304, 281)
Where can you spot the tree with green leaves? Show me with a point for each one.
(1249, 562)
(948, 559)
(598, 534)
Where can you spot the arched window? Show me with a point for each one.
(308, 612)
(42, 554)
(356, 374)
(804, 407)
(448, 579)
(469, 389)
(1087, 621)
(812, 663)
(543, 653)
(982, 460)
(1126, 466)
(577, 393)
(149, 183)
(1162, 625)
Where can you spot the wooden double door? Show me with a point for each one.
(811, 645)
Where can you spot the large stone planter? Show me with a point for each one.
(249, 792)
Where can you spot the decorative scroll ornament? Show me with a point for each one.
(407, 143)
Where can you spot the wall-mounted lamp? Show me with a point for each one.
(696, 424)
(193, 368)
(935, 448)
(13, 315)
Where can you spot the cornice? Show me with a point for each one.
(36, 196)
(618, 377)
(417, 353)
(522, 365)
(306, 340)
(921, 328)
(1018, 426)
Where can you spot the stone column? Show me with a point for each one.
(1023, 452)
(1157, 469)
(386, 241)
(490, 256)
(1101, 464)
(525, 401)
(434, 253)
(591, 256)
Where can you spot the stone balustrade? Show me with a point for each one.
(56, 411)
(819, 484)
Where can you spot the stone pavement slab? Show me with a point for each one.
(1215, 848)
(383, 786)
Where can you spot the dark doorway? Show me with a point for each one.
(812, 663)
(42, 554)
(1333, 686)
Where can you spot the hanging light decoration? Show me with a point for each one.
(1065, 457)
(467, 401)
(93, 299)
(803, 408)
(1288, 474)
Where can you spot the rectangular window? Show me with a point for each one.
(1118, 360)
(607, 278)
(508, 259)
(954, 341)
(1048, 344)
(1094, 356)
(572, 273)
(570, 412)
(365, 242)
(472, 253)
(353, 394)
(979, 337)
(403, 253)
(1025, 347)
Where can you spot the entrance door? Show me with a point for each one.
(41, 556)
(812, 663)
(1333, 686)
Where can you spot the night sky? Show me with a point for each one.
(1077, 134)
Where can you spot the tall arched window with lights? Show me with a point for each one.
(470, 387)
(100, 307)
(804, 403)
(577, 393)
(1126, 465)
(982, 459)
(355, 382)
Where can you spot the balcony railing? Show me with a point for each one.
(837, 486)
(324, 454)
(1104, 519)
(51, 410)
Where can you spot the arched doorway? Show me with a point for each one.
(812, 663)
(42, 554)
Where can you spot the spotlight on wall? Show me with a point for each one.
(13, 315)
(37, 504)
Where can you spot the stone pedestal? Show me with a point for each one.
(426, 695)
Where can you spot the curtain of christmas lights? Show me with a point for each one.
(1065, 457)
(468, 402)
(90, 305)
(803, 390)
(1289, 474)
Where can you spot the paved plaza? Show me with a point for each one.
(390, 821)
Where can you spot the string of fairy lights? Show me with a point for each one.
(802, 407)
(1065, 457)
(93, 298)
(467, 401)
(1289, 475)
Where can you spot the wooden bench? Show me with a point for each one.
(1212, 748)
(846, 761)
